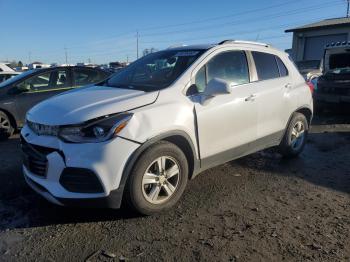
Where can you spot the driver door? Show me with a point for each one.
(227, 123)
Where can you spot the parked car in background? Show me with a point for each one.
(309, 69)
(142, 133)
(5, 68)
(7, 75)
(333, 87)
(22, 92)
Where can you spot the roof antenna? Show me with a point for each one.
(258, 35)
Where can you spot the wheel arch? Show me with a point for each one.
(306, 112)
(179, 138)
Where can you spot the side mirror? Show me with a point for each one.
(217, 86)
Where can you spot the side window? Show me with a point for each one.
(45, 82)
(282, 68)
(266, 66)
(36, 83)
(59, 79)
(200, 79)
(231, 66)
(84, 76)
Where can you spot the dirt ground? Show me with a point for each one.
(259, 208)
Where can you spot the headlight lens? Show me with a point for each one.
(95, 131)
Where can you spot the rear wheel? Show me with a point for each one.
(158, 179)
(295, 137)
(6, 128)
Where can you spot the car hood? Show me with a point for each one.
(84, 104)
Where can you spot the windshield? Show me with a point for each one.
(154, 71)
(16, 78)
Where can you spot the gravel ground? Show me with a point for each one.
(258, 208)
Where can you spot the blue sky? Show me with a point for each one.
(105, 30)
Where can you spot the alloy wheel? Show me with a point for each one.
(298, 135)
(4, 123)
(160, 180)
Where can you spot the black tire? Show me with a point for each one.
(6, 128)
(135, 191)
(288, 147)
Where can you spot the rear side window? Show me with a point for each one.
(85, 76)
(281, 66)
(266, 66)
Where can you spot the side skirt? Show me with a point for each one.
(243, 150)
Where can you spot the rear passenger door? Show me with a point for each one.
(272, 85)
(87, 76)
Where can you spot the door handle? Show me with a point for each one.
(250, 98)
(289, 86)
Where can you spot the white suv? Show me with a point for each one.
(142, 133)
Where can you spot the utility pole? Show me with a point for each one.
(127, 59)
(137, 44)
(348, 9)
(65, 52)
(29, 57)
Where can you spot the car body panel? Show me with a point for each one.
(218, 128)
(93, 156)
(88, 103)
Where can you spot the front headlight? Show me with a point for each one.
(95, 131)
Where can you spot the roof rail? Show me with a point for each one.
(242, 42)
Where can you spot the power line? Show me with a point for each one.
(96, 43)
(222, 17)
(305, 9)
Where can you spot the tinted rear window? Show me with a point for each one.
(266, 66)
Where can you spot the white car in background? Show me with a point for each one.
(142, 133)
(5, 68)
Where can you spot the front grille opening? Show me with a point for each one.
(80, 180)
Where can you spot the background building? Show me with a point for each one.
(309, 40)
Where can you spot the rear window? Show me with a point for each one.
(266, 66)
(341, 60)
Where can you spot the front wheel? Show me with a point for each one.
(6, 129)
(158, 179)
(295, 136)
